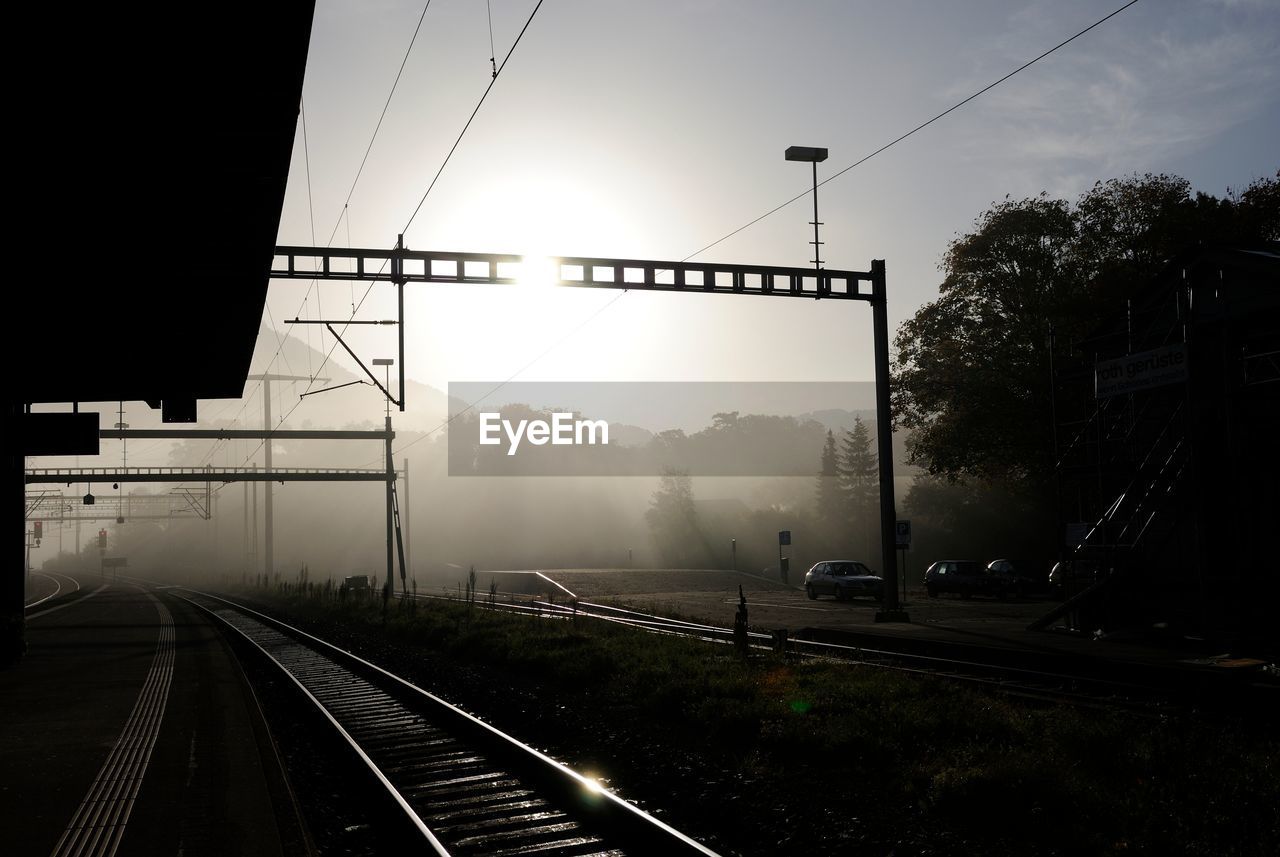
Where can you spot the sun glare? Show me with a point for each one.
(539, 272)
(492, 332)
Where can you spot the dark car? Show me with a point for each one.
(357, 585)
(843, 578)
(1071, 575)
(966, 577)
(1022, 576)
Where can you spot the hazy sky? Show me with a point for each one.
(648, 130)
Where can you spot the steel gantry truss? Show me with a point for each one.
(401, 266)
(181, 503)
(70, 475)
(209, 474)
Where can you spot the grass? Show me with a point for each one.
(1014, 776)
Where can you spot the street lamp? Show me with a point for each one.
(814, 156)
(387, 362)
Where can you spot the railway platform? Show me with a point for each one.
(129, 729)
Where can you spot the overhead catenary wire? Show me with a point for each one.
(383, 115)
(359, 170)
(732, 233)
(783, 205)
(472, 117)
(311, 213)
(493, 54)
(344, 214)
(443, 164)
(421, 201)
(919, 127)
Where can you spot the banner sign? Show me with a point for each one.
(1142, 371)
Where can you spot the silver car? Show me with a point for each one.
(843, 578)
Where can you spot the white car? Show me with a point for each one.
(843, 578)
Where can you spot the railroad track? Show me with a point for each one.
(463, 786)
(72, 583)
(1146, 696)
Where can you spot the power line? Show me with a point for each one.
(778, 208)
(444, 164)
(311, 212)
(417, 208)
(493, 54)
(343, 214)
(479, 104)
(919, 127)
(381, 116)
(363, 161)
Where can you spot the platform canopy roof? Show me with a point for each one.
(151, 149)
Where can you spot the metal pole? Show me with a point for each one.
(817, 256)
(1059, 517)
(268, 516)
(254, 555)
(891, 609)
(208, 510)
(399, 278)
(903, 554)
(391, 475)
(406, 518)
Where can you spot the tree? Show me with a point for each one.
(971, 374)
(859, 483)
(977, 519)
(673, 521)
(972, 367)
(828, 494)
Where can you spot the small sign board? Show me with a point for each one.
(784, 537)
(1142, 371)
(902, 533)
(115, 562)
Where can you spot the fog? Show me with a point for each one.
(454, 522)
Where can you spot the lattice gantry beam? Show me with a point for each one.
(51, 505)
(429, 266)
(69, 475)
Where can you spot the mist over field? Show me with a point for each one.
(455, 519)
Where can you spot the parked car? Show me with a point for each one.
(843, 578)
(966, 577)
(357, 585)
(1072, 575)
(1022, 576)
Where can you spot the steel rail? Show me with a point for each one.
(429, 838)
(590, 832)
(57, 588)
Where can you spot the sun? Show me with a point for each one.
(490, 332)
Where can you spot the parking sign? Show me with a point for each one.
(902, 533)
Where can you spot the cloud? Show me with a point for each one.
(1128, 99)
